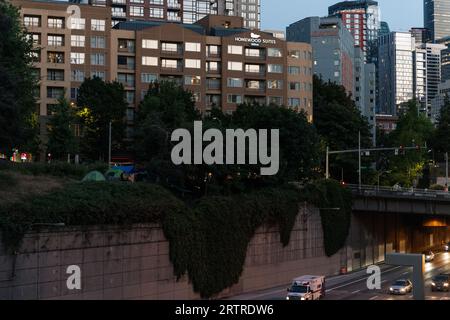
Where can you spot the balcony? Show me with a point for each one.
(172, 5)
(170, 52)
(128, 66)
(258, 74)
(174, 18)
(120, 2)
(119, 14)
(170, 69)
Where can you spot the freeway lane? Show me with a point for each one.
(353, 286)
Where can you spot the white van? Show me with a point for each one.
(307, 288)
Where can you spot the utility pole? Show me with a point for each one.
(110, 144)
(327, 164)
(359, 158)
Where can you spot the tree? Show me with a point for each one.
(61, 138)
(18, 119)
(100, 103)
(299, 152)
(413, 130)
(338, 122)
(165, 107)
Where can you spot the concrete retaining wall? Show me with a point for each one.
(134, 264)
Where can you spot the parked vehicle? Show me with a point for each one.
(307, 288)
(440, 282)
(401, 287)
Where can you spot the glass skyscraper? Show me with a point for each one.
(437, 18)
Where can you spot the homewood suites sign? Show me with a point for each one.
(255, 40)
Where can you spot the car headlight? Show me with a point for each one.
(302, 298)
(445, 284)
(433, 284)
(403, 290)
(391, 289)
(287, 298)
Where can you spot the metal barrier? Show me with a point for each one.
(368, 190)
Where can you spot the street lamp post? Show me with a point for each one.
(109, 144)
(446, 171)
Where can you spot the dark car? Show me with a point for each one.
(440, 283)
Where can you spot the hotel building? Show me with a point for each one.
(217, 59)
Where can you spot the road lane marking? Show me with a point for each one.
(354, 292)
(373, 298)
(359, 280)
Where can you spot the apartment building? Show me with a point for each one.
(220, 61)
(183, 11)
(223, 64)
(68, 48)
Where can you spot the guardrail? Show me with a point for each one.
(368, 190)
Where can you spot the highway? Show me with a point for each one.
(353, 286)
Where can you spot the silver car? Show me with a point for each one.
(429, 255)
(402, 286)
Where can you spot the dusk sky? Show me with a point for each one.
(400, 14)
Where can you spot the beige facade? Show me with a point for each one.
(218, 60)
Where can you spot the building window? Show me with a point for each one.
(170, 64)
(32, 21)
(55, 92)
(235, 82)
(212, 66)
(77, 58)
(77, 75)
(55, 40)
(34, 37)
(294, 102)
(77, 41)
(98, 59)
(136, 11)
(98, 74)
(296, 54)
(127, 79)
(77, 23)
(274, 52)
(295, 86)
(213, 50)
(275, 68)
(148, 77)
(149, 61)
(55, 75)
(234, 66)
(171, 47)
(234, 98)
(192, 80)
(275, 84)
(275, 100)
(235, 49)
(98, 42)
(55, 23)
(294, 70)
(157, 13)
(55, 57)
(193, 47)
(149, 44)
(193, 63)
(97, 25)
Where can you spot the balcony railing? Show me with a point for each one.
(171, 52)
(171, 69)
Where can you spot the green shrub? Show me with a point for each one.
(437, 187)
(6, 180)
(335, 204)
(58, 169)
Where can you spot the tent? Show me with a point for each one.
(114, 174)
(94, 176)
